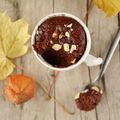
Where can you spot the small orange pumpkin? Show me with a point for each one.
(19, 88)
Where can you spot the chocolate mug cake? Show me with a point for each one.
(60, 40)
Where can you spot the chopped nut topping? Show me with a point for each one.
(84, 91)
(65, 25)
(40, 32)
(37, 32)
(51, 41)
(61, 36)
(71, 29)
(77, 96)
(81, 53)
(95, 88)
(37, 38)
(54, 35)
(70, 25)
(56, 47)
(66, 47)
(101, 91)
(73, 47)
(67, 34)
(73, 61)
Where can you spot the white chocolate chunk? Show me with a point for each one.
(66, 47)
(73, 47)
(56, 47)
(70, 25)
(67, 34)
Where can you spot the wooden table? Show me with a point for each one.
(102, 31)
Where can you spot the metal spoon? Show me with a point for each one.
(106, 60)
(86, 93)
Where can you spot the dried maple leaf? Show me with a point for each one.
(110, 7)
(13, 38)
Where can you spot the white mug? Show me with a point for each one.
(90, 60)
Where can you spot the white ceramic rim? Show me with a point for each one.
(88, 45)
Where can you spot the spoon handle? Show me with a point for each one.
(108, 56)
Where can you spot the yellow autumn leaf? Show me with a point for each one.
(13, 39)
(6, 68)
(110, 7)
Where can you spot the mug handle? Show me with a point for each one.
(93, 61)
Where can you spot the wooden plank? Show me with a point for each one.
(8, 111)
(103, 30)
(38, 107)
(70, 82)
(113, 80)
